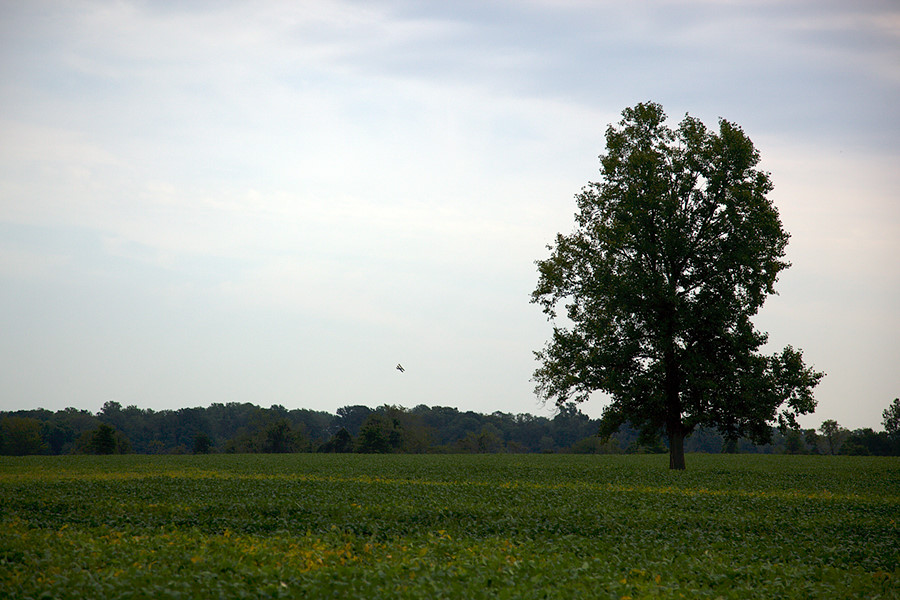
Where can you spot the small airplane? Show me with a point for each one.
(400, 368)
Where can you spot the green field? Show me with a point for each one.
(451, 526)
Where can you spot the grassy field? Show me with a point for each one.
(459, 526)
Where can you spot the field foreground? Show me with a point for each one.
(449, 526)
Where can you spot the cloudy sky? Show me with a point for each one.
(277, 202)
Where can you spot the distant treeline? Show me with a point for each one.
(247, 428)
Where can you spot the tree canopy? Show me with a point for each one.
(673, 252)
(243, 427)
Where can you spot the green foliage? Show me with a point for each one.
(674, 251)
(811, 439)
(464, 526)
(21, 436)
(794, 442)
(865, 442)
(834, 435)
(103, 440)
(595, 445)
(280, 438)
(891, 417)
(246, 428)
(487, 441)
(380, 433)
(202, 443)
(341, 442)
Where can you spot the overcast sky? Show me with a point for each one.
(277, 202)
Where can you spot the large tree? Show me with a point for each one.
(673, 252)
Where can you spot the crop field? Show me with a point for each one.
(449, 526)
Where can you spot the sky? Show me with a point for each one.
(277, 202)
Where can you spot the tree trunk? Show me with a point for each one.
(676, 448)
(674, 427)
(672, 388)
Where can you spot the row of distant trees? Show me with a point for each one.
(247, 428)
